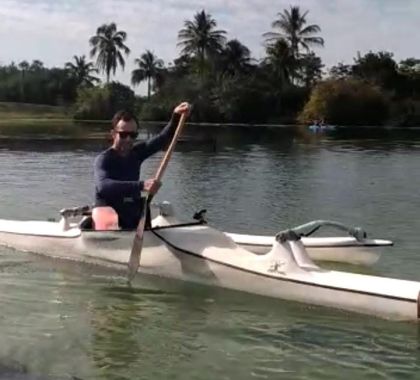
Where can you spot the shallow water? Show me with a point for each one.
(61, 319)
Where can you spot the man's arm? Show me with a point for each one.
(158, 142)
(109, 188)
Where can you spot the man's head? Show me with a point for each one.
(124, 131)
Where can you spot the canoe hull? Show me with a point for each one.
(204, 255)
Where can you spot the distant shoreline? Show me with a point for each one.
(71, 121)
(34, 119)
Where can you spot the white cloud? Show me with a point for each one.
(54, 31)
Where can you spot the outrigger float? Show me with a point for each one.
(199, 253)
(340, 249)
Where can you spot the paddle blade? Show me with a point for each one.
(134, 260)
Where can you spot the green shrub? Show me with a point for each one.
(243, 100)
(101, 103)
(346, 102)
(153, 110)
(405, 113)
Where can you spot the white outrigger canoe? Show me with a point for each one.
(199, 253)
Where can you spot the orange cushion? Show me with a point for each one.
(105, 219)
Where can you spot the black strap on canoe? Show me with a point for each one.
(307, 229)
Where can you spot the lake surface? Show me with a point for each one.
(60, 320)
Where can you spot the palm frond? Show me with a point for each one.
(310, 29)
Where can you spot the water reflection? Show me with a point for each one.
(216, 137)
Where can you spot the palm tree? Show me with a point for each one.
(36, 65)
(340, 71)
(24, 67)
(310, 69)
(235, 58)
(107, 44)
(148, 69)
(81, 71)
(292, 27)
(200, 39)
(281, 61)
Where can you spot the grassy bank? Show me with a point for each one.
(15, 111)
(24, 119)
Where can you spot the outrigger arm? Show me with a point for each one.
(294, 234)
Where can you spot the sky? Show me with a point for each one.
(53, 31)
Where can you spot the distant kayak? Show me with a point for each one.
(321, 128)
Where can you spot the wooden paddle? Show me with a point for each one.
(134, 261)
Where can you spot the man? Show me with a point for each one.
(117, 169)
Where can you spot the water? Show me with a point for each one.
(63, 320)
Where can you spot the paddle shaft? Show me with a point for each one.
(162, 167)
(134, 261)
(168, 153)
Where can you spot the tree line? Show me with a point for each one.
(223, 80)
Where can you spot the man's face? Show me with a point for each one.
(123, 136)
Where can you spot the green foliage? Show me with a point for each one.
(10, 111)
(309, 69)
(405, 112)
(241, 99)
(340, 71)
(346, 102)
(189, 88)
(410, 67)
(234, 59)
(92, 104)
(199, 38)
(224, 83)
(291, 27)
(409, 70)
(291, 101)
(251, 97)
(154, 110)
(281, 62)
(81, 72)
(101, 103)
(36, 84)
(148, 68)
(122, 96)
(400, 83)
(378, 68)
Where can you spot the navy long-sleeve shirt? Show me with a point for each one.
(117, 177)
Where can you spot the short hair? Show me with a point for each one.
(124, 115)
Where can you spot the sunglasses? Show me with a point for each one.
(125, 134)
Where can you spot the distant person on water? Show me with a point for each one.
(319, 126)
(117, 169)
(315, 126)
